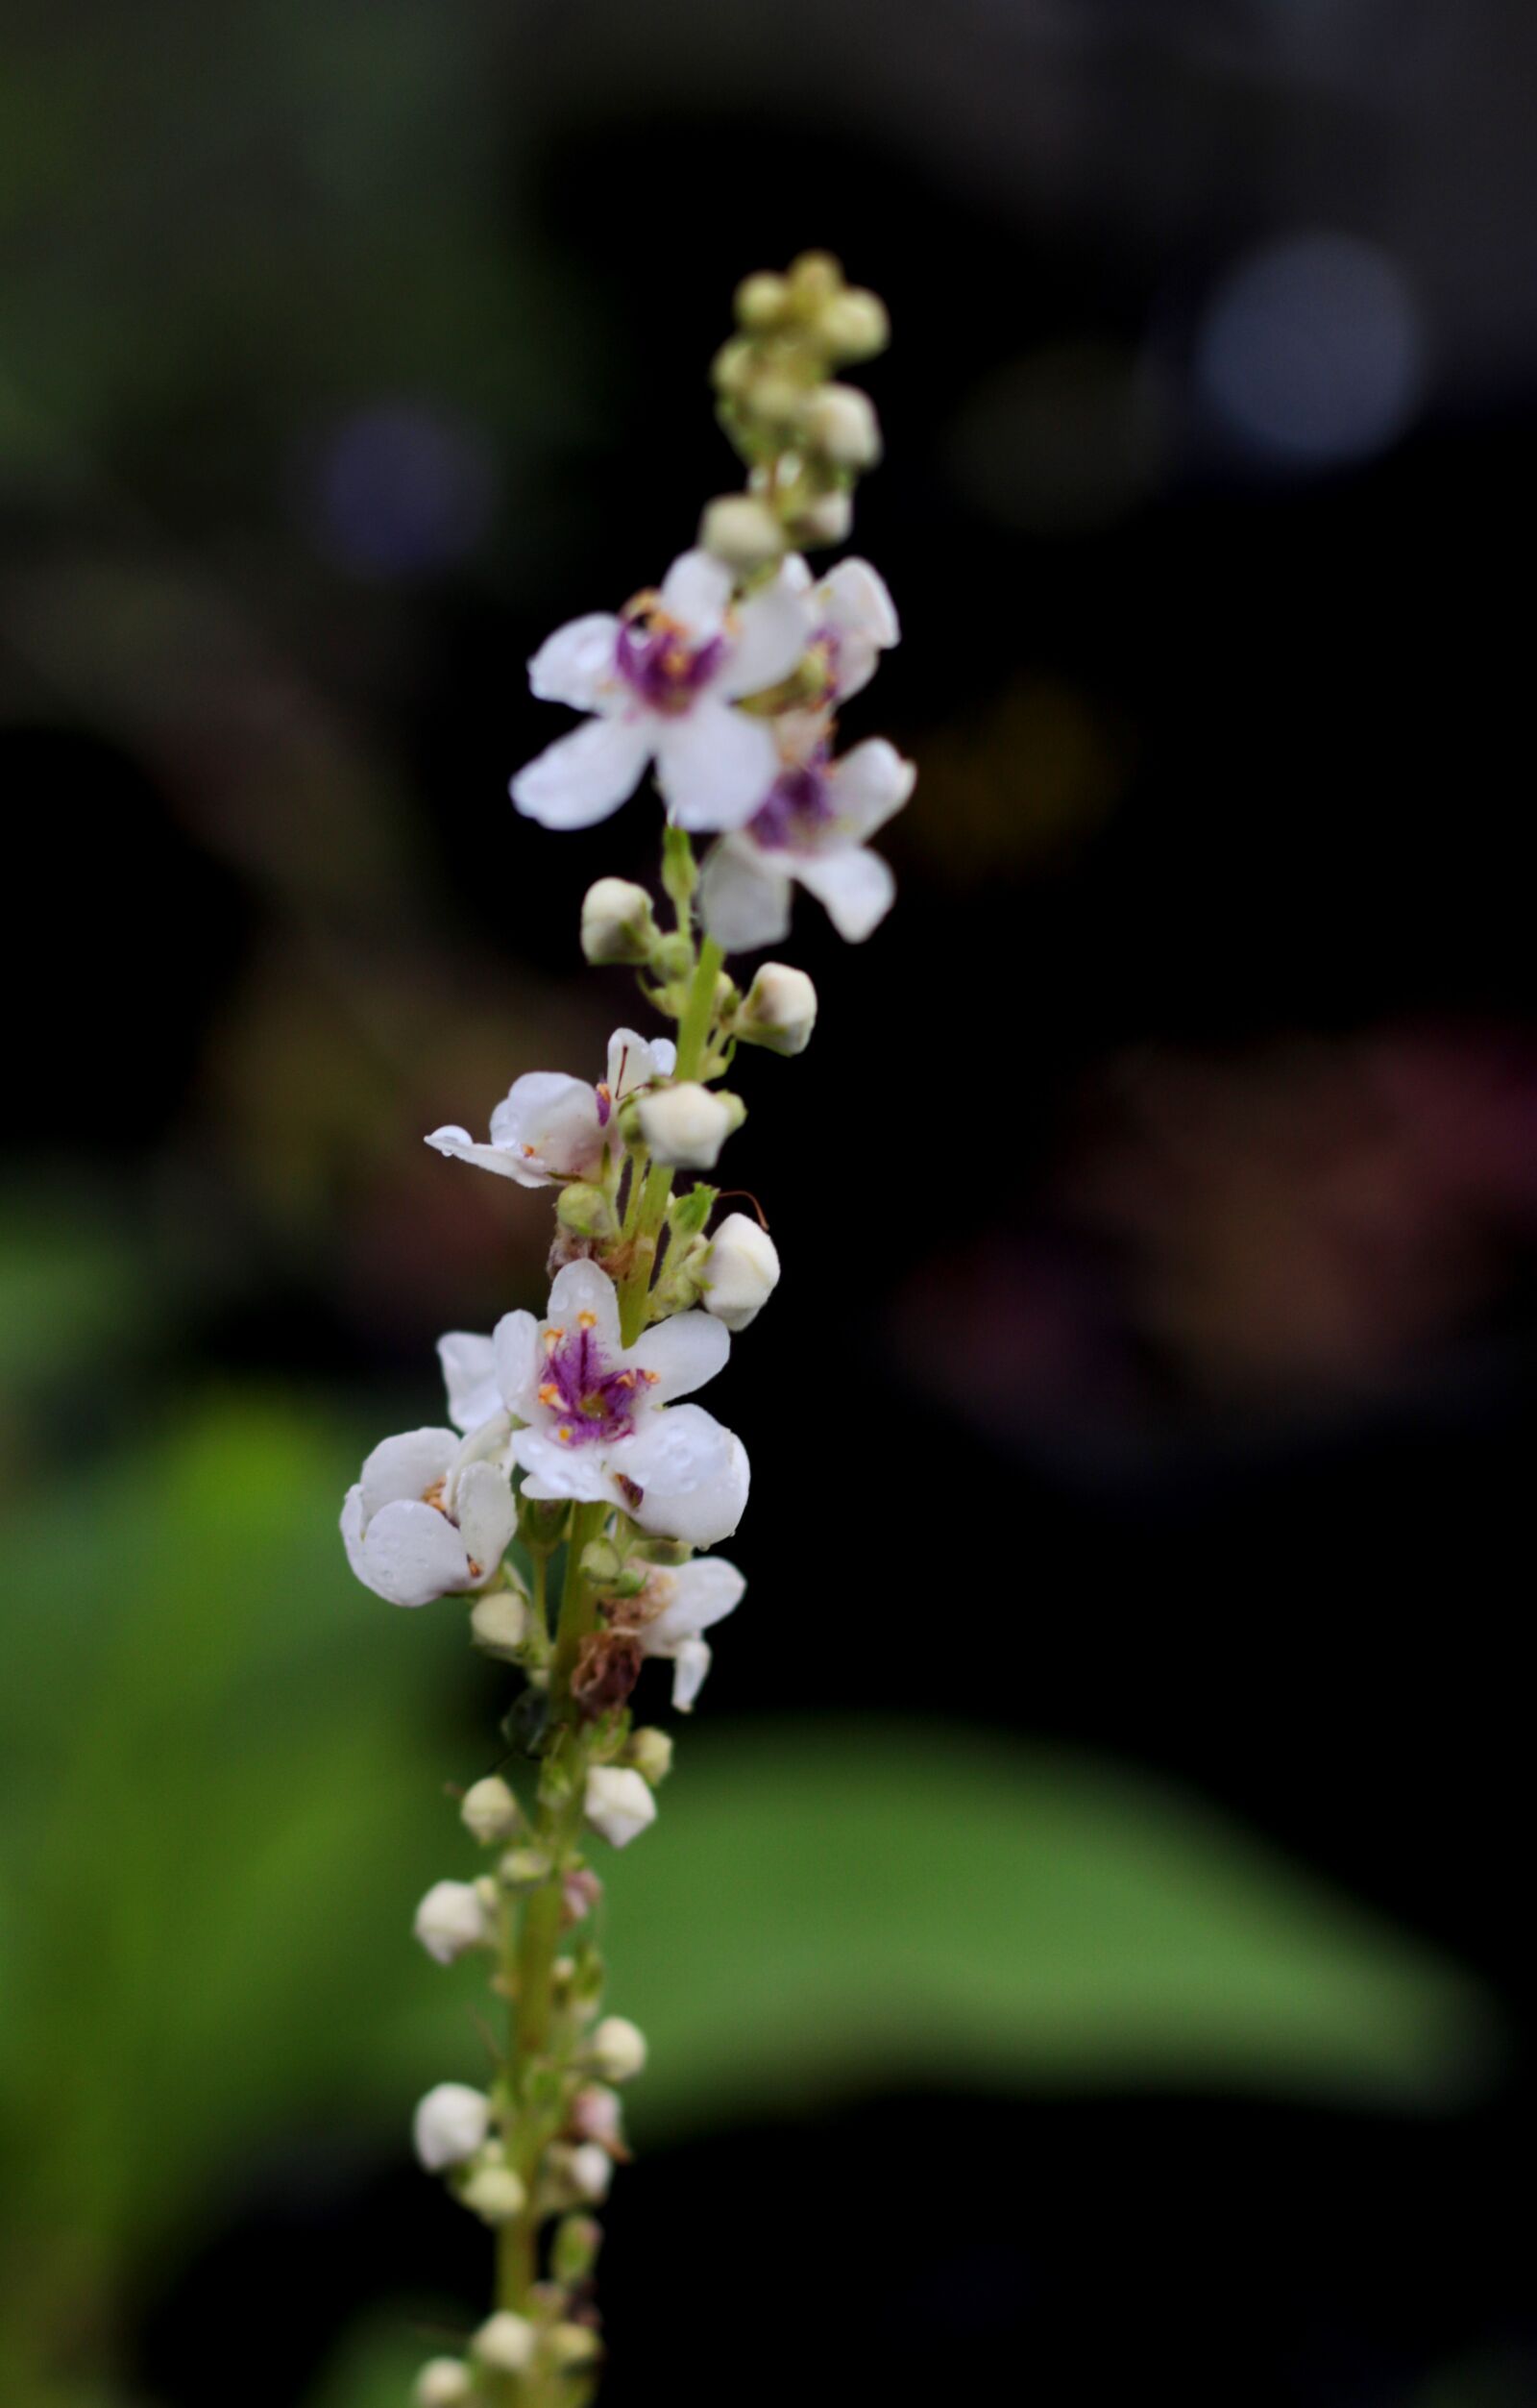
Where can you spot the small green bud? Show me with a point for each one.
(505, 2343)
(761, 301)
(673, 957)
(840, 420)
(602, 1563)
(666, 1551)
(573, 2253)
(495, 2194)
(853, 325)
(777, 399)
(815, 278)
(689, 1213)
(524, 1868)
(586, 1211)
(680, 872)
(733, 366)
(499, 1622)
(489, 1810)
(571, 2345)
(542, 1522)
(631, 1581)
(741, 532)
(650, 1751)
(618, 923)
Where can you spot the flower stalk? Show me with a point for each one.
(567, 1437)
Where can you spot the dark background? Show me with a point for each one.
(1152, 1375)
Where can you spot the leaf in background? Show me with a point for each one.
(837, 1905)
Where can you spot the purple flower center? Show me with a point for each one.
(657, 662)
(797, 811)
(590, 1401)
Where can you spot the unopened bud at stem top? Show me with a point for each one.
(617, 1803)
(741, 1270)
(490, 1811)
(741, 532)
(618, 923)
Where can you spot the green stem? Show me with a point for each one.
(694, 1037)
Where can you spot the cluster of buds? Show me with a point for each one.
(576, 1494)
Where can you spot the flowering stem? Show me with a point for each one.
(693, 1036)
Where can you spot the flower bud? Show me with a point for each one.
(495, 2194)
(450, 2124)
(840, 420)
(524, 1868)
(443, 2383)
(687, 1126)
(761, 301)
(741, 1270)
(505, 2343)
(650, 1751)
(586, 1211)
(499, 1622)
(542, 1522)
(570, 2346)
(779, 1010)
(733, 367)
(616, 2049)
(617, 1803)
(741, 532)
(853, 325)
(584, 2173)
(826, 520)
(451, 1920)
(489, 1810)
(594, 2116)
(814, 278)
(573, 2252)
(618, 923)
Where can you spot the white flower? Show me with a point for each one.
(853, 621)
(616, 2049)
(451, 1920)
(505, 2343)
(550, 1126)
(423, 1521)
(443, 2383)
(662, 680)
(450, 2124)
(688, 1124)
(618, 923)
(599, 1423)
(489, 1811)
(811, 830)
(741, 1270)
(617, 1803)
(779, 1010)
(682, 1604)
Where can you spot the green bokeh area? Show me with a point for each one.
(226, 1776)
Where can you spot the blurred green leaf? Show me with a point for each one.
(839, 1905)
(71, 1283)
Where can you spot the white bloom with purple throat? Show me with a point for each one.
(810, 831)
(549, 1126)
(853, 622)
(663, 680)
(599, 1423)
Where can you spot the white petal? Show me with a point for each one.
(486, 1511)
(581, 777)
(743, 895)
(633, 1060)
(406, 1466)
(576, 663)
(714, 764)
(412, 1553)
(554, 1470)
(870, 784)
(582, 1288)
(697, 590)
(773, 627)
(857, 597)
(469, 1376)
(703, 1593)
(855, 887)
(684, 1351)
(549, 1122)
(693, 1473)
(514, 1341)
(461, 1147)
(352, 1529)
(690, 1666)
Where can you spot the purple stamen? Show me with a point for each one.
(591, 1400)
(797, 810)
(657, 662)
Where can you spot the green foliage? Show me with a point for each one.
(831, 1905)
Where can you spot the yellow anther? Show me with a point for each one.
(550, 1394)
(587, 1320)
